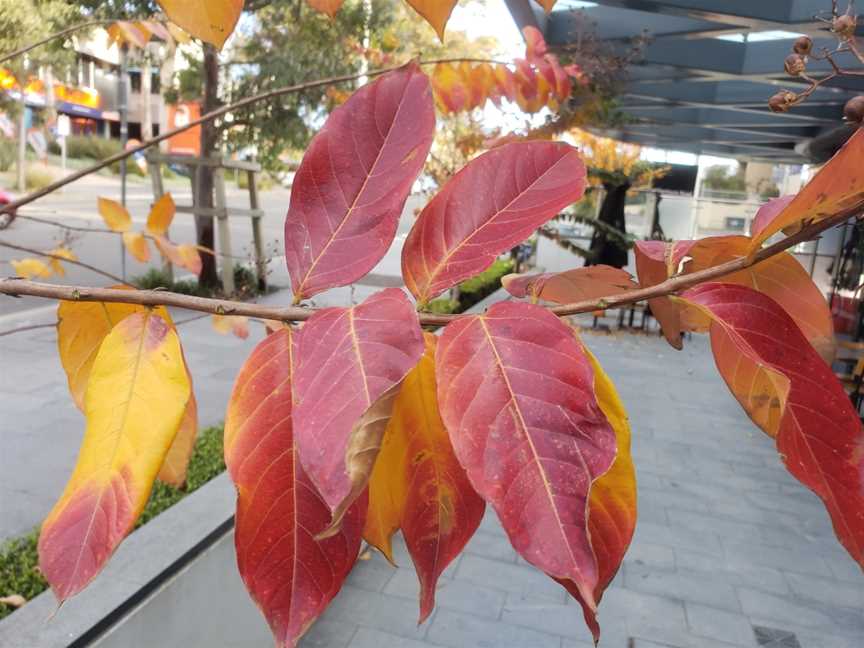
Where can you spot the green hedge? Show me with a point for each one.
(473, 290)
(19, 561)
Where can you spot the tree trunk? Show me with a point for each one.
(604, 249)
(209, 141)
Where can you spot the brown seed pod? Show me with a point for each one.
(795, 65)
(782, 101)
(803, 46)
(854, 110)
(844, 26)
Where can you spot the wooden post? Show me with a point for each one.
(260, 261)
(224, 231)
(154, 166)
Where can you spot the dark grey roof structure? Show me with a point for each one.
(695, 91)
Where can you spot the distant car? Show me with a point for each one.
(6, 219)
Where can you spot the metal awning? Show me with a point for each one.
(695, 91)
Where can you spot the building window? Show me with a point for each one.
(135, 81)
(155, 84)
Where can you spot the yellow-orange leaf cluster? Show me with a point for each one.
(31, 268)
(536, 81)
(158, 221)
(212, 21)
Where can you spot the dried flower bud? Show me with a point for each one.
(795, 65)
(844, 26)
(782, 101)
(803, 46)
(854, 110)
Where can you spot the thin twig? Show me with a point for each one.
(22, 329)
(215, 114)
(19, 287)
(48, 39)
(21, 248)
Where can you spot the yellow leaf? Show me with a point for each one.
(212, 21)
(138, 372)
(178, 34)
(115, 215)
(82, 328)
(329, 7)
(173, 471)
(236, 324)
(31, 269)
(161, 215)
(436, 13)
(137, 246)
(547, 5)
(64, 252)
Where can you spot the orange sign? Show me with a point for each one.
(187, 142)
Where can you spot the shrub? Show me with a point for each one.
(37, 177)
(473, 290)
(91, 147)
(19, 559)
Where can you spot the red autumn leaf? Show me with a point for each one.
(139, 364)
(516, 393)
(818, 432)
(768, 212)
(495, 202)
(838, 187)
(351, 187)
(590, 282)
(291, 576)
(348, 359)
(535, 44)
(418, 485)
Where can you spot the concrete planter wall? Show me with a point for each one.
(174, 582)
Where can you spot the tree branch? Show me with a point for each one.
(215, 114)
(19, 287)
(20, 248)
(48, 39)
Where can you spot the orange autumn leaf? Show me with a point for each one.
(589, 282)
(238, 325)
(138, 364)
(31, 268)
(115, 215)
(137, 246)
(212, 21)
(161, 215)
(450, 93)
(838, 187)
(547, 5)
(418, 486)
(174, 468)
(329, 7)
(64, 253)
(183, 256)
(435, 12)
